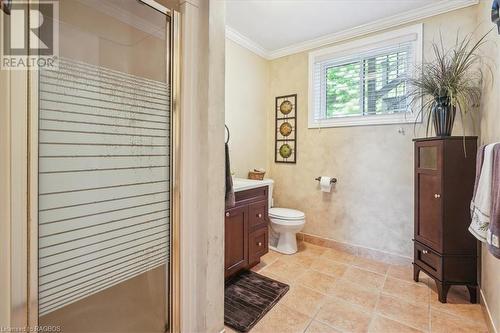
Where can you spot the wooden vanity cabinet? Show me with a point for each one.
(444, 183)
(246, 230)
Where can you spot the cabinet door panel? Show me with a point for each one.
(429, 210)
(236, 240)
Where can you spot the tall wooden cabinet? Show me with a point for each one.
(444, 183)
(246, 230)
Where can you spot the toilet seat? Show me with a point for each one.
(289, 223)
(286, 214)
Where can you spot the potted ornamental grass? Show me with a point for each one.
(451, 82)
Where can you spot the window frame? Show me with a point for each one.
(346, 52)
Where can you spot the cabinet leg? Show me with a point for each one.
(473, 294)
(442, 291)
(416, 272)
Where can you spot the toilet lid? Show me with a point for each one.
(286, 213)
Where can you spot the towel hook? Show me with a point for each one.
(228, 133)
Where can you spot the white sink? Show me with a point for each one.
(241, 184)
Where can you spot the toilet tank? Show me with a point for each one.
(270, 193)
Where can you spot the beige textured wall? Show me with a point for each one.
(372, 204)
(214, 317)
(202, 166)
(247, 76)
(490, 132)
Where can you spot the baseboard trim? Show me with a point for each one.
(487, 313)
(361, 251)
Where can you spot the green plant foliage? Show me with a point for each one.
(342, 90)
(374, 85)
(456, 73)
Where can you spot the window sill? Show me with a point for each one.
(389, 119)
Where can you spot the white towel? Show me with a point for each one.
(480, 205)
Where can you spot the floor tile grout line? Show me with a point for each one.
(397, 319)
(398, 298)
(313, 317)
(331, 326)
(374, 312)
(400, 322)
(459, 318)
(307, 326)
(337, 262)
(404, 300)
(337, 277)
(380, 292)
(367, 269)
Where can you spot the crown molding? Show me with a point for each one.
(375, 26)
(246, 42)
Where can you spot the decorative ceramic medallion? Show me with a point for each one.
(285, 143)
(285, 150)
(286, 129)
(286, 107)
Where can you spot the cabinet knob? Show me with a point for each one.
(227, 214)
(259, 215)
(425, 251)
(437, 196)
(259, 243)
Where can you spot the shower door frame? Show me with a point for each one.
(25, 278)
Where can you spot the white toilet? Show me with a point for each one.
(285, 224)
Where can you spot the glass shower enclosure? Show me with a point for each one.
(105, 170)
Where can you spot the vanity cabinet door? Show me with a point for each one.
(236, 240)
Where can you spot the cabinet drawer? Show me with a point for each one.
(257, 215)
(252, 195)
(258, 244)
(429, 260)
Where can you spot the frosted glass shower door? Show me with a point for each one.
(104, 171)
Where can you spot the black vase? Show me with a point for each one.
(444, 116)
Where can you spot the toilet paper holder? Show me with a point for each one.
(332, 181)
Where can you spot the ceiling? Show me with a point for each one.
(275, 25)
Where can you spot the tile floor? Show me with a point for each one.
(333, 291)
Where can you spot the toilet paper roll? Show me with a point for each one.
(325, 184)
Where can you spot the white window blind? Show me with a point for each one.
(363, 85)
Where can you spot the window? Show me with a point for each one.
(364, 82)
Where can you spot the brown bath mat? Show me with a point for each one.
(248, 297)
